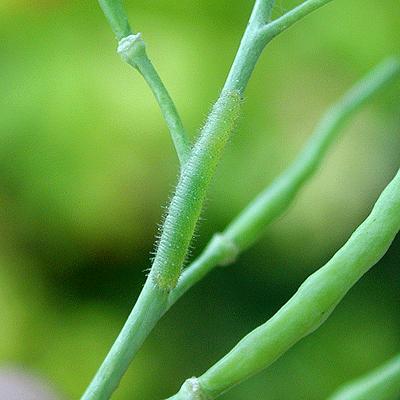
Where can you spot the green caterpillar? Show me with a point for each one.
(186, 204)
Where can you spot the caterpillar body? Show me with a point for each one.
(186, 204)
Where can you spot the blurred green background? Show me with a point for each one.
(87, 165)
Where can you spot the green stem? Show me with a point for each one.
(245, 229)
(116, 17)
(218, 252)
(261, 13)
(132, 49)
(383, 383)
(258, 34)
(150, 306)
(291, 17)
(312, 303)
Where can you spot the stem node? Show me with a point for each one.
(130, 47)
(226, 247)
(191, 390)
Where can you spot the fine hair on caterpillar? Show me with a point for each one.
(186, 204)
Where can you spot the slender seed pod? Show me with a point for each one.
(316, 298)
(186, 204)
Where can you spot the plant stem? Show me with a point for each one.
(132, 49)
(245, 229)
(150, 306)
(261, 13)
(116, 17)
(258, 34)
(383, 383)
(312, 303)
(291, 17)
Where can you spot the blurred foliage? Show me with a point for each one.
(86, 166)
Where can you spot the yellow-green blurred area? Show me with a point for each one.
(87, 166)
